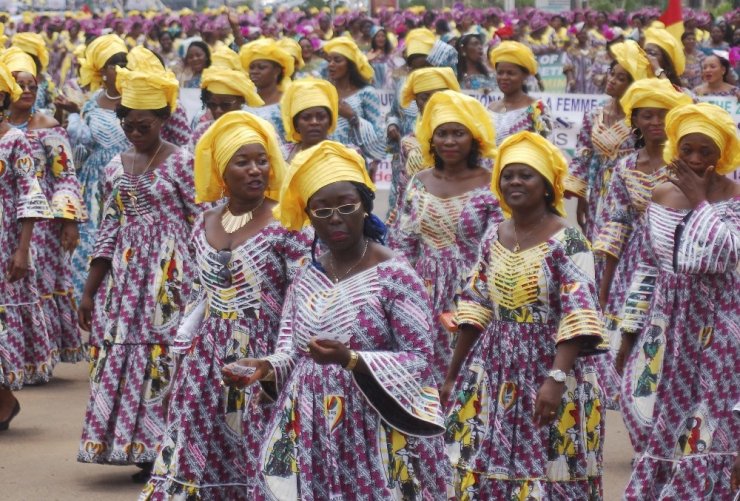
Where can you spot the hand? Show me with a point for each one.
(654, 64)
(70, 235)
(85, 311)
(19, 264)
(695, 187)
(582, 213)
(328, 352)
(345, 110)
(232, 17)
(69, 106)
(394, 133)
(445, 392)
(235, 375)
(625, 347)
(736, 474)
(548, 401)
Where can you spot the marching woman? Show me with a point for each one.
(143, 257)
(245, 260)
(448, 206)
(358, 415)
(680, 349)
(666, 55)
(35, 46)
(310, 109)
(524, 409)
(53, 240)
(25, 349)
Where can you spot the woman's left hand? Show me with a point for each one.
(328, 352)
(70, 236)
(345, 110)
(19, 265)
(693, 186)
(548, 401)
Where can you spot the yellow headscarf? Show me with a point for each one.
(34, 44)
(232, 83)
(449, 106)
(630, 56)
(268, 49)
(142, 59)
(651, 93)
(345, 46)
(97, 54)
(321, 165)
(426, 79)
(294, 49)
(225, 58)
(8, 83)
(147, 90)
(419, 41)
(669, 44)
(3, 36)
(303, 94)
(537, 152)
(707, 119)
(219, 144)
(514, 53)
(18, 60)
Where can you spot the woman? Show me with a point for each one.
(619, 241)
(382, 59)
(25, 349)
(359, 121)
(53, 240)
(362, 431)
(585, 64)
(314, 66)
(244, 270)
(471, 67)
(666, 55)
(97, 137)
(716, 40)
(310, 109)
(524, 411)
(716, 73)
(294, 49)
(34, 45)
(197, 58)
(680, 348)
(269, 67)
(692, 75)
(604, 138)
(514, 63)
(142, 252)
(447, 207)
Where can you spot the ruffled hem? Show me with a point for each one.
(173, 489)
(26, 354)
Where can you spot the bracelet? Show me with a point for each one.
(353, 359)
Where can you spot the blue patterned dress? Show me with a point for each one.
(271, 113)
(370, 133)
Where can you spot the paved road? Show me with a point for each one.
(37, 454)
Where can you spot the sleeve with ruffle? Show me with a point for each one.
(285, 357)
(294, 247)
(577, 180)
(619, 225)
(32, 203)
(369, 134)
(474, 307)
(708, 240)
(66, 200)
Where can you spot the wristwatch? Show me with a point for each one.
(660, 73)
(557, 375)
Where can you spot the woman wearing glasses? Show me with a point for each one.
(143, 254)
(357, 415)
(245, 261)
(53, 240)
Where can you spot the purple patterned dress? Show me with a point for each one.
(440, 238)
(526, 303)
(25, 348)
(145, 233)
(681, 379)
(55, 171)
(346, 435)
(533, 118)
(176, 129)
(214, 433)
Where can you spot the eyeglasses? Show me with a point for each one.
(344, 210)
(224, 105)
(224, 274)
(28, 87)
(142, 127)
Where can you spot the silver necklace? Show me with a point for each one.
(517, 247)
(334, 267)
(112, 98)
(134, 194)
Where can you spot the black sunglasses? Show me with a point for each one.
(223, 275)
(225, 105)
(143, 127)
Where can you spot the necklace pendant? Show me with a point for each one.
(132, 196)
(517, 248)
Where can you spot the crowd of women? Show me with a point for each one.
(255, 331)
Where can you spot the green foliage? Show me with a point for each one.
(721, 9)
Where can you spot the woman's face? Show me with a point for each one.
(522, 187)
(600, 19)
(417, 61)
(423, 97)
(218, 104)
(380, 40)
(109, 70)
(651, 122)
(617, 81)
(689, 43)
(27, 82)
(510, 78)
(338, 66)
(653, 50)
(338, 231)
(582, 36)
(698, 151)
(452, 142)
(263, 73)
(195, 59)
(712, 71)
(142, 129)
(166, 42)
(473, 50)
(248, 172)
(313, 125)
(717, 34)
(306, 49)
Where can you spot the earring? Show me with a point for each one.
(105, 78)
(637, 133)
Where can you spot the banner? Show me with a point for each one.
(550, 68)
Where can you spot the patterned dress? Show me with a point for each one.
(408, 163)
(176, 129)
(681, 379)
(55, 171)
(25, 349)
(209, 422)
(691, 77)
(440, 238)
(533, 118)
(370, 133)
(479, 81)
(145, 234)
(271, 113)
(590, 67)
(525, 304)
(346, 435)
(629, 194)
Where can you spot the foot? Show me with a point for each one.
(13, 413)
(142, 476)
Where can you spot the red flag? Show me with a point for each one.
(672, 18)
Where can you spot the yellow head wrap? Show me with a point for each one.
(303, 94)
(225, 58)
(97, 54)
(669, 44)
(449, 106)
(531, 149)
(630, 56)
(426, 79)
(3, 36)
(707, 119)
(514, 53)
(8, 83)
(268, 49)
(651, 93)
(345, 46)
(147, 90)
(294, 49)
(142, 59)
(321, 165)
(219, 144)
(18, 60)
(232, 83)
(419, 41)
(34, 44)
